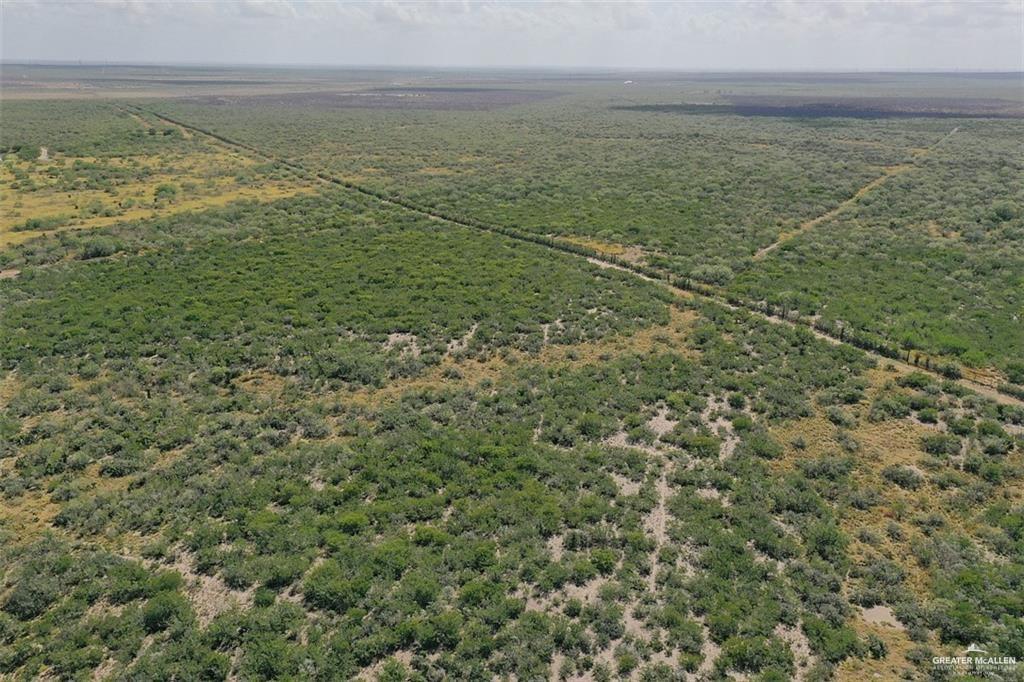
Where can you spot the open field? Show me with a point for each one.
(153, 169)
(335, 375)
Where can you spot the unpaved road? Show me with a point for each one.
(594, 258)
(808, 225)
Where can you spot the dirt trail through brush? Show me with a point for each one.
(185, 132)
(988, 391)
(808, 225)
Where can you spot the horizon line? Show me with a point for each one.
(562, 68)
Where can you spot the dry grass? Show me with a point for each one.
(8, 388)
(855, 669)
(29, 515)
(437, 171)
(604, 248)
(631, 254)
(890, 442)
(471, 371)
(205, 178)
(262, 382)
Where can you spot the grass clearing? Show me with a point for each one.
(89, 192)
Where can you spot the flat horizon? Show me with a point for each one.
(495, 68)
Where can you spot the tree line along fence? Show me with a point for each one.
(834, 329)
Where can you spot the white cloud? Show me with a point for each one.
(788, 34)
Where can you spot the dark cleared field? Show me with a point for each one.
(846, 107)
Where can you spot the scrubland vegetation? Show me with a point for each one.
(682, 194)
(700, 196)
(322, 436)
(933, 258)
(105, 164)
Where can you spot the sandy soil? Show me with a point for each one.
(209, 595)
(880, 615)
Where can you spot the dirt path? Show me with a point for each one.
(806, 226)
(809, 225)
(185, 132)
(944, 138)
(592, 257)
(657, 523)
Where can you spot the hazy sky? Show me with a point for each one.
(908, 34)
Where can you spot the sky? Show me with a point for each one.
(707, 35)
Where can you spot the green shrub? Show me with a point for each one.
(99, 247)
(163, 609)
(904, 477)
(762, 445)
(754, 655)
(330, 587)
(32, 596)
(833, 644)
(941, 444)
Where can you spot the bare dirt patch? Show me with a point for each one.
(713, 494)
(105, 670)
(208, 594)
(880, 615)
(801, 648)
(621, 440)
(462, 343)
(656, 523)
(625, 486)
(709, 652)
(713, 417)
(660, 424)
(407, 344)
(556, 547)
(372, 672)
